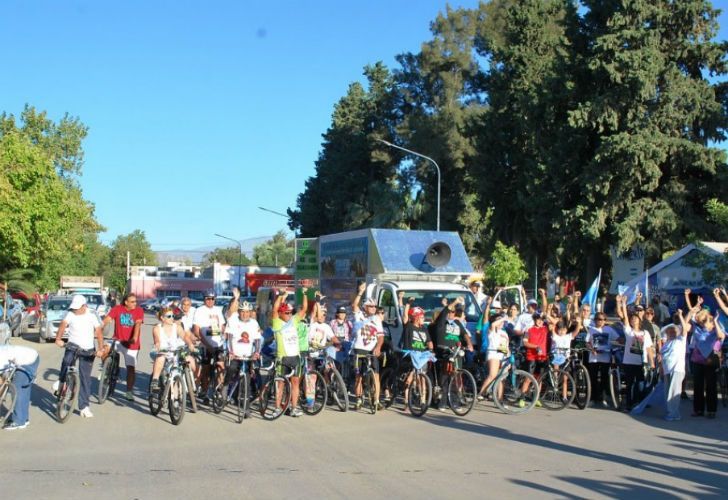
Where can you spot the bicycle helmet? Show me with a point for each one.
(245, 306)
(209, 293)
(285, 308)
(416, 312)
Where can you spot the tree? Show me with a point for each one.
(505, 267)
(140, 253)
(277, 251)
(230, 256)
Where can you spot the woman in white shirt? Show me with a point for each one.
(168, 336)
(637, 351)
(672, 366)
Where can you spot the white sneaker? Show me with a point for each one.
(86, 413)
(129, 396)
(56, 385)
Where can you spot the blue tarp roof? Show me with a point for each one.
(403, 251)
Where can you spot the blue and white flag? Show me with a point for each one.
(590, 297)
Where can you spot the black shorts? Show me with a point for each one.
(287, 363)
(360, 357)
(209, 357)
(537, 367)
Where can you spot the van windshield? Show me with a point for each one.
(431, 300)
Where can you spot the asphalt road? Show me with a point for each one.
(124, 452)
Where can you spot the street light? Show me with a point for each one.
(240, 255)
(426, 158)
(273, 212)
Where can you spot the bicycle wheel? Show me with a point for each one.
(337, 387)
(369, 392)
(67, 397)
(615, 388)
(508, 393)
(114, 373)
(552, 390)
(314, 405)
(105, 376)
(7, 402)
(461, 392)
(177, 399)
(190, 383)
(583, 387)
(219, 398)
(270, 393)
(420, 395)
(155, 397)
(243, 391)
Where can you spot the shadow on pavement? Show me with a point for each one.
(708, 476)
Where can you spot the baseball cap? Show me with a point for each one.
(532, 302)
(77, 302)
(341, 309)
(639, 308)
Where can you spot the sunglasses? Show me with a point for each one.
(209, 298)
(168, 316)
(287, 313)
(600, 319)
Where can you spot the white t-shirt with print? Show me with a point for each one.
(368, 329)
(242, 335)
(601, 340)
(187, 320)
(319, 335)
(210, 320)
(635, 346)
(497, 340)
(81, 328)
(561, 344)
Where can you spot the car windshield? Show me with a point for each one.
(431, 300)
(59, 305)
(93, 300)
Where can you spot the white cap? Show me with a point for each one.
(369, 302)
(78, 301)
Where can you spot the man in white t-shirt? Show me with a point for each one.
(369, 332)
(524, 321)
(477, 288)
(26, 361)
(82, 325)
(208, 325)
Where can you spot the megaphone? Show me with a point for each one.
(438, 254)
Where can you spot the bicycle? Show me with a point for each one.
(505, 389)
(239, 390)
(109, 373)
(575, 367)
(616, 376)
(174, 386)
(275, 395)
(552, 387)
(68, 391)
(8, 395)
(367, 381)
(461, 388)
(313, 387)
(218, 398)
(335, 385)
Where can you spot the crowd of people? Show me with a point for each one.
(691, 341)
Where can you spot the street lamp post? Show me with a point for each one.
(426, 158)
(240, 254)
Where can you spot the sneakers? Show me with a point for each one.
(13, 426)
(481, 397)
(277, 413)
(538, 403)
(153, 386)
(56, 386)
(380, 406)
(521, 403)
(296, 412)
(130, 395)
(358, 404)
(86, 413)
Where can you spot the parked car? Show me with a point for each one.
(54, 311)
(32, 305)
(13, 315)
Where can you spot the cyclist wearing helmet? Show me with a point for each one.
(285, 330)
(415, 336)
(209, 327)
(369, 340)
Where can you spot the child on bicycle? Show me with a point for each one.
(561, 340)
(498, 349)
(82, 325)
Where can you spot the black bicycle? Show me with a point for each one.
(172, 386)
(68, 390)
(460, 384)
(367, 374)
(575, 367)
(109, 373)
(239, 389)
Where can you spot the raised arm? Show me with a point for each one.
(304, 304)
(718, 327)
(282, 294)
(357, 298)
(687, 293)
(233, 306)
(684, 322)
(544, 299)
(723, 306)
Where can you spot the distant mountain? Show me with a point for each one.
(195, 255)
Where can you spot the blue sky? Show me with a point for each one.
(199, 112)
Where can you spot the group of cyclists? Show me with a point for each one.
(218, 345)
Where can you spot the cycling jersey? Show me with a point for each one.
(286, 335)
(319, 335)
(368, 330)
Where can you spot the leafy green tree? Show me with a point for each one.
(140, 253)
(277, 251)
(229, 255)
(505, 267)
